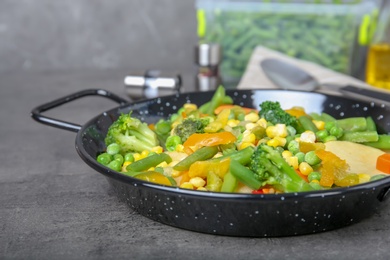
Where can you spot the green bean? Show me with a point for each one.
(201, 154)
(148, 162)
(371, 126)
(244, 175)
(382, 143)
(307, 123)
(242, 156)
(360, 137)
(229, 183)
(352, 124)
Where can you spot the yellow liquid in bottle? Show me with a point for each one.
(378, 66)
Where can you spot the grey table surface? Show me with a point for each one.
(54, 206)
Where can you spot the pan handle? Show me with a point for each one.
(36, 113)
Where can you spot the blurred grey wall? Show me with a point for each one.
(73, 34)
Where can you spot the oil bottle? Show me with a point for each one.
(378, 59)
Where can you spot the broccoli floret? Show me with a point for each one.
(131, 134)
(273, 113)
(190, 126)
(271, 168)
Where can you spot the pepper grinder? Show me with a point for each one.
(208, 57)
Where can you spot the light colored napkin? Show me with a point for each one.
(254, 76)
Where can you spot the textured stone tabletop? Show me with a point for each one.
(54, 206)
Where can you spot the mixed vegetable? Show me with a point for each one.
(222, 147)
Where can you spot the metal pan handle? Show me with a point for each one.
(36, 113)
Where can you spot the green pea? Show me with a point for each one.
(113, 148)
(119, 158)
(315, 185)
(163, 127)
(115, 165)
(314, 176)
(172, 142)
(336, 131)
(129, 157)
(311, 158)
(104, 158)
(330, 138)
(329, 125)
(293, 147)
(241, 117)
(322, 134)
(301, 157)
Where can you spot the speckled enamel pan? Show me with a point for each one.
(250, 215)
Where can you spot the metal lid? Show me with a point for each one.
(208, 54)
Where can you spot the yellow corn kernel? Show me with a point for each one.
(315, 181)
(286, 154)
(189, 107)
(125, 164)
(157, 149)
(276, 130)
(250, 126)
(308, 137)
(213, 127)
(179, 148)
(364, 177)
(162, 164)
(201, 189)
(137, 156)
(319, 124)
(249, 138)
(252, 117)
(232, 122)
(277, 141)
(144, 153)
(262, 122)
(151, 169)
(245, 145)
(292, 161)
(305, 168)
(197, 182)
(187, 185)
(175, 173)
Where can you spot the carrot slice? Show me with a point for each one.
(383, 163)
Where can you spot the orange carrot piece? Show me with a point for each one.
(383, 163)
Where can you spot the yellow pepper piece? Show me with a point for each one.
(202, 168)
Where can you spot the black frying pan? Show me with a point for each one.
(250, 215)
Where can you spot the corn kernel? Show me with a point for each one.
(151, 169)
(175, 173)
(245, 145)
(232, 122)
(252, 117)
(249, 138)
(189, 107)
(201, 189)
(179, 148)
(144, 153)
(197, 182)
(213, 127)
(292, 161)
(308, 137)
(276, 130)
(315, 181)
(187, 185)
(319, 124)
(364, 177)
(262, 122)
(305, 168)
(277, 141)
(250, 126)
(157, 149)
(162, 164)
(137, 156)
(286, 154)
(125, 164)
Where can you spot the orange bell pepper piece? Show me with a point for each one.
(383, 163)
(210, 139)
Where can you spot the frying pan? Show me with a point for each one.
(249, 215)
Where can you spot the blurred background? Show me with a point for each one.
(46, 35)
